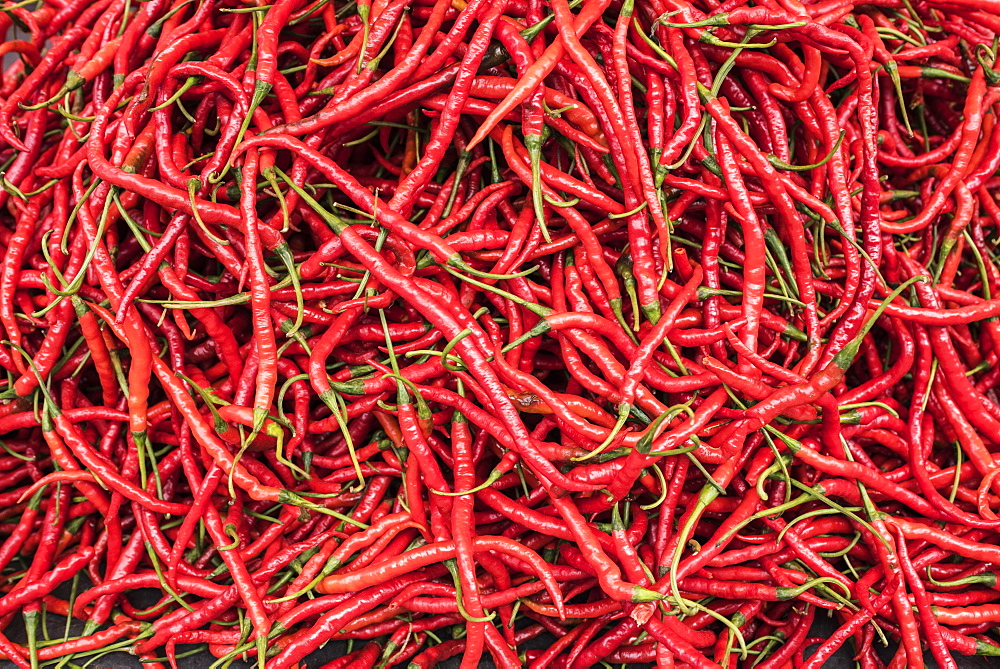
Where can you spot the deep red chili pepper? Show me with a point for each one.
(277, 319)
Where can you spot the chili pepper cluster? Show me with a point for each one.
(660, 330)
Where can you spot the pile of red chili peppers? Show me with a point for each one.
(658, 330)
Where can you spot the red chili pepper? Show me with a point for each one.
(278, 318)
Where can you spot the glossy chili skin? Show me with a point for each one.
(653, 325)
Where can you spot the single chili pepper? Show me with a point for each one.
(435, 553)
